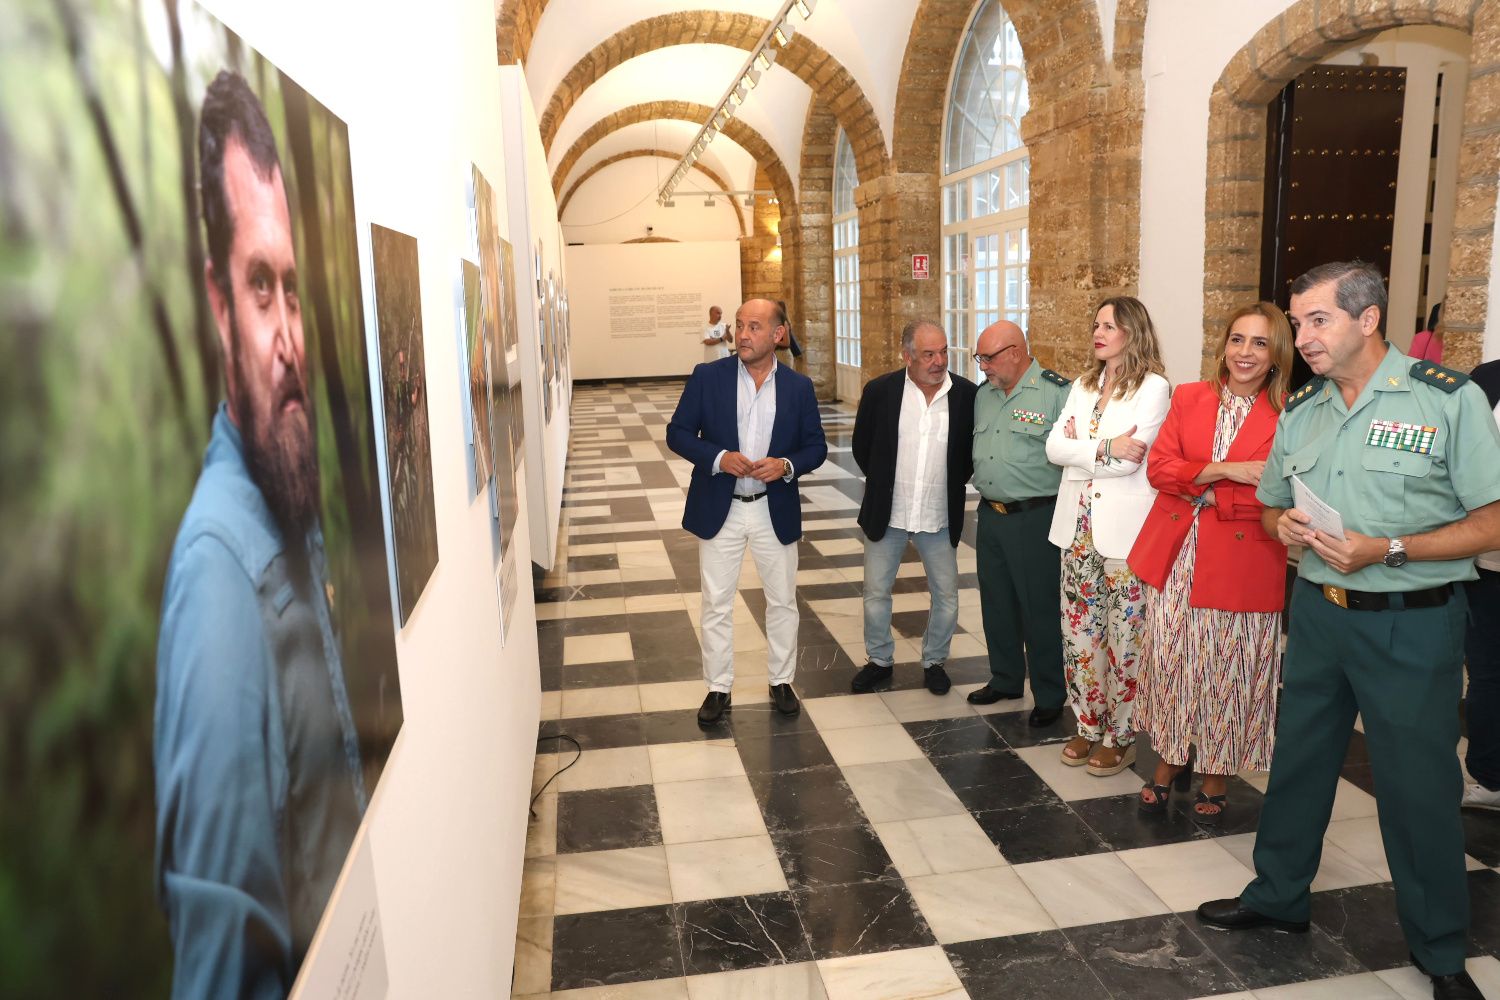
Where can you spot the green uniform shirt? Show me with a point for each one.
(1409, 456)
(1010, 436)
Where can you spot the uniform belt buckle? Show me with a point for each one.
(1336, 595)
(998, 506)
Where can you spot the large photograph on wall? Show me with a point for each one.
(200, 688)
(504, 389)
(408, 439)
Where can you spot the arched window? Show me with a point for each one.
(986, 185)
(846, 266)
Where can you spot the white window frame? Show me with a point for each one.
(986, 208)
(847, 350)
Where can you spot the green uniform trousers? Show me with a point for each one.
(1402, 672)
(1018, 596)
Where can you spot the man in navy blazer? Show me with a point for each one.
(750, 427)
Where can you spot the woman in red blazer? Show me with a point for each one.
(1215, 581)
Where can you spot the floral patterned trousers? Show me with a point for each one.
(1103, 621)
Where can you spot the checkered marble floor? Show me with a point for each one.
(881, 846)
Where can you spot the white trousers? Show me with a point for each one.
(719, 561)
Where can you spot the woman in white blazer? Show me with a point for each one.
(1100, 439)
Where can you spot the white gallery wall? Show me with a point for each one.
(618, 204)
(1188, 44)
(640, 309)
(447, 824)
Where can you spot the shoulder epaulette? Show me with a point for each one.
(1305, 393)
(1446, 379)
(1055, 379)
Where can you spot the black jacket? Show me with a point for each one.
(876, 431)
(1487, 377)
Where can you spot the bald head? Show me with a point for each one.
(759, 325)
(1003, 346)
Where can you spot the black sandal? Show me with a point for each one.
(1210, 818)
(1182, 781)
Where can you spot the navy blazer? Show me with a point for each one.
(706, 422)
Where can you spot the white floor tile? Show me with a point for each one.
(781, 982)
(1184, 875)
(1089, 890)
(870, 744)
(695, 761)
(970, 905)
(1365, 986)
(612, 880)
(582, 703)
(848, 711)
(893, 975)
(715, 869)
(605, 648)
(1075, 783)
(615, 767)
(901, 789)
(711, 809)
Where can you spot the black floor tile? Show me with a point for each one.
(681, 726)
(825, 683)
(1040, 833)
(814, 799)
(742, 932)
(1362, 920)
(832, 856)
(578, 592)
(988, 781)
(909, 624)
(594, 624)
(1482, 836)
(1484, 912)
(1042, 966)
(583, 564)
(1152, 958)
(600, 732)
(615, 946)
(648, 588)
(789, 752)
(664, 636)
(861, 918)
(551, 677)
(1241, 814)
(1119, 822)
(1015, 728)
(1262, 957)
(761, 721)
(687, 665)
(607, 819)
(945, 737)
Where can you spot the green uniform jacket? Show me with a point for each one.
(1010, 436)
(1417, 450)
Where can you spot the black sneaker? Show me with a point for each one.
(935, 679)
(870, 675)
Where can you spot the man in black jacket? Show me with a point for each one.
(912, 440)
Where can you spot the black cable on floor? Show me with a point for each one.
(576, 746)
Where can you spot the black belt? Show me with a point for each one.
(1361, 600)
(1016, 506)
(749, 497)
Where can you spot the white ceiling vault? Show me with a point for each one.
(867, 38)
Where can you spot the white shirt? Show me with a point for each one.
(1491, 560)
(755, 413)
(713, 352)
(919, 497)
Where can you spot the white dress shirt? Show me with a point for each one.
(755, 413)
(919, 496)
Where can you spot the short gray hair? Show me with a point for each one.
(1357, 286)
(909, 333)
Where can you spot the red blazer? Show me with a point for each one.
(1238, 566)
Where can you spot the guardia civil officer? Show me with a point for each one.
(1409, 456)
(1018, 567)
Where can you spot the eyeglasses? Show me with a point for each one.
(985, 359)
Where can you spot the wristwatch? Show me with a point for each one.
(1395, 554)
(786, 469)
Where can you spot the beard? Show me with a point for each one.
(279, 448)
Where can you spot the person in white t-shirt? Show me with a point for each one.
(716, 337)
(1482, 651)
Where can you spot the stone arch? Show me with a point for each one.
(515, 26)
(1083, 132)
(708, 172)
(827, 77)
(753, 142)
(1289, 43)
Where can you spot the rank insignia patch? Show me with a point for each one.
(1398, 436)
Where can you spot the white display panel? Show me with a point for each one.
(640, 309)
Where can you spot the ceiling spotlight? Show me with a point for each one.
(784, 34)
(805, 7)
(669, 203)
(764, 58)
(750, 79)
(749, 201)
(709, 202)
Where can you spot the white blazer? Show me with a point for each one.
(1122, 495)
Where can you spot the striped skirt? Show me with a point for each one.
(1207, 677)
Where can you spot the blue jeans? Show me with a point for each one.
(882, 559)
(1483, 648)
